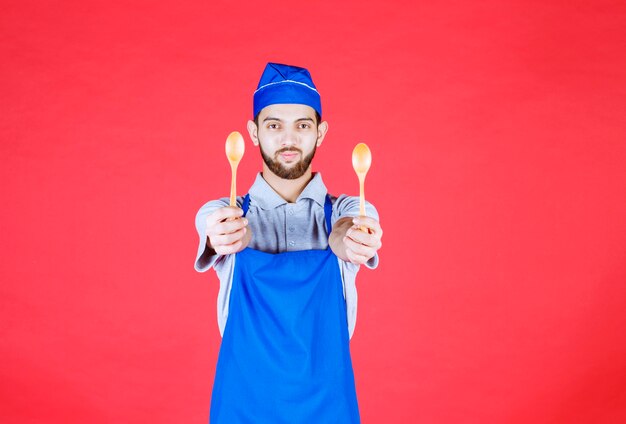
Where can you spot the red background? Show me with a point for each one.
(498, 139)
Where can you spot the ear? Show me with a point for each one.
(322, 129)
(253, 130)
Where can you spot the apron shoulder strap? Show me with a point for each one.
(246, 204)
(328, 211)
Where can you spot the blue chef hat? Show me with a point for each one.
(286, 84)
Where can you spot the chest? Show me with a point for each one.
(289, 227)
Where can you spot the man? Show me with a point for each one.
(287, 259)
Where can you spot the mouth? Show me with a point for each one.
(289, 155)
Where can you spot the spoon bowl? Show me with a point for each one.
(235, 148)
(361, 158)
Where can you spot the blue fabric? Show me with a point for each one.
(328, 211)
(246, 204)
(285, 354)
(282, 84)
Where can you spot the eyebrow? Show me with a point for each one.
(270, 118)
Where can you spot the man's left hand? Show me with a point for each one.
(362, 240)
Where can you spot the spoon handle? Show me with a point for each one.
(362, 195)
(233, 185)
(362, 199)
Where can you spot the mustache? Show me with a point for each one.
(288, 149)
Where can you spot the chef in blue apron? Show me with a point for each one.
(287, 259)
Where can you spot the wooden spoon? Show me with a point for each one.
(234, 152)
(361, 162)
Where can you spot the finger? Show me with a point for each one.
(229, 226)
(372, 224)
(224, 213)
(229, 249)
(356, 258)
(359, 248)
(371, 240)
(362, 237)
(227, 239)
(368, 225)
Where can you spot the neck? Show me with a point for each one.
(287, 189)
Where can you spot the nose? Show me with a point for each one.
(289, 139)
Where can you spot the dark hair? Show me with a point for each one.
(318, 119)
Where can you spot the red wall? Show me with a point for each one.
(498, 139)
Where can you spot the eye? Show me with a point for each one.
(272, 126)
(304, 126)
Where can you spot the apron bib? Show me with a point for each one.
(285, 352)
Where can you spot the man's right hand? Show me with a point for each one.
(226, 231)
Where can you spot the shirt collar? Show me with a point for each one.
(315, 190)
(264, 196)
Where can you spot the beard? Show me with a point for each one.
(294, 171)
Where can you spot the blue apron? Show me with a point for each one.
(285, 352)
